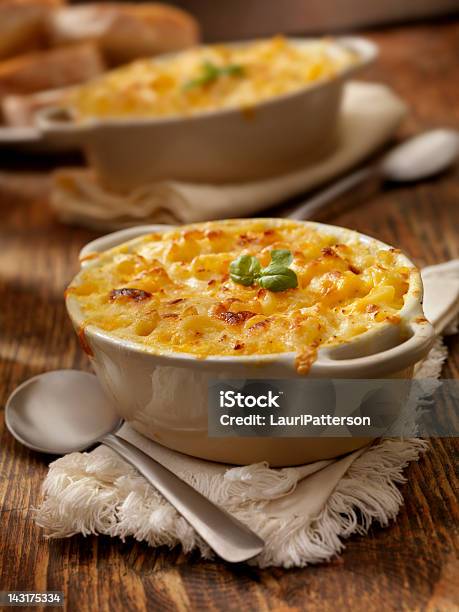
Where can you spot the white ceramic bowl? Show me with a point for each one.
(165, 396)
(214, 146)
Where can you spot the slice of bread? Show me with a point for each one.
(50, 69)
(124, 31)
(23, 25)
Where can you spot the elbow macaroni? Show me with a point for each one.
(172, 292)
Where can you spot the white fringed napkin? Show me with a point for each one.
(369, 117)
(303, 513)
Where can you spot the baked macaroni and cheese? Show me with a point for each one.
(210, 78)
(242, 287)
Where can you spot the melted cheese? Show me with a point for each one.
(172, 291)
(158, 88)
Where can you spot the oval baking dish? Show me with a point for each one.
(164, 396)
(230, 144)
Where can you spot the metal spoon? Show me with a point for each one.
(66, 411)
(417, 158)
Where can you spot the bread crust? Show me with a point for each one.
(124, 31)
(23, 25)
(50, 69)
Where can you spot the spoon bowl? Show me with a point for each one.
(421, 157)
(44, 414)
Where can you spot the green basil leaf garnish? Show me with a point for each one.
(232, 70)
(282, 257)
(277, 276)
(210, 72)
(244, 270)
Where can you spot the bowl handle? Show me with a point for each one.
(109, 241)
(395, 359)
(56, 125)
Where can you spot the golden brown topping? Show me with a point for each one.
(234, 318)
(329, 252)
(213, 234)
(245, 239)
(138, 295)
(259, 326)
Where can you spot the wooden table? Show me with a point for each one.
(411, 565)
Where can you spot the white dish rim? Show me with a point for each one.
(419, 330)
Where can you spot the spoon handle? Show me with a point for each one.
(227, 536)
(320, 201)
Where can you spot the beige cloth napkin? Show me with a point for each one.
(303, 513)
(369, 117)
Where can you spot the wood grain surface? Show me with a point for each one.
(410, 565)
